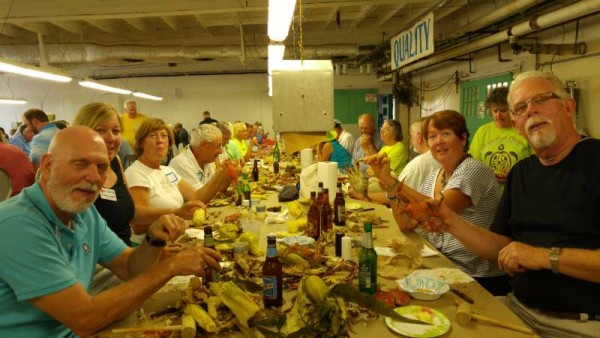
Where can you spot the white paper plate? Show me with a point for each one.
(424, 287)
(440, 323)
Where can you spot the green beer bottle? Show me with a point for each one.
(367, 263)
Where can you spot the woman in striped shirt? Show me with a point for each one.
(469, 188)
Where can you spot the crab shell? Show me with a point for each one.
(416, 207)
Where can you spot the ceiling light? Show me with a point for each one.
(96, 85)
(12, 101)
(281, 13)
(147, 96)
(275, 54)
(27, 70)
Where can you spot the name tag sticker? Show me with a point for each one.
(171, 177)
(108, 194)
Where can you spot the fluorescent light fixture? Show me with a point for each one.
(12, 101)
(281, 13)
(27, 70)
(275, 55)
(96, 85)
(147, 96)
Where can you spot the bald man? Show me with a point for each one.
(51, 241)
(369, 141)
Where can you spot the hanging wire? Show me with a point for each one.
(441, 102)
(434, 89)
(301, 41)
(6, 16)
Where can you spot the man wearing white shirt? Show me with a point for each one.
(344, 138)
(196, 163)
(419, 167)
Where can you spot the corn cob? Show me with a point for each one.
(201, 317)
(237, 301)
(316, 289)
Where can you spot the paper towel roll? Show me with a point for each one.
(306, 158)
(327, 172)
(347, 248)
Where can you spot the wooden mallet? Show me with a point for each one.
(464, 314)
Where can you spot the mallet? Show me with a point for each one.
(464, 314)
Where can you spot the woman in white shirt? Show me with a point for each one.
(156, 189)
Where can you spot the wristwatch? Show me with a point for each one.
(554, 254)
(159, 243)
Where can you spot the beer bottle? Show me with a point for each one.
(246, 189)
(255, 171)
(339, 207)
(367, 263)
(210, 274)
(313, 224)
(276, 157)
(240, 194)
(272, 276)
(326, 212)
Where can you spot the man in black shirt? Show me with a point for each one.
(207, 118)
(546, 232)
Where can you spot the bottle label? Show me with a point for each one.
(270, 287)
(272, 251)
(364, 276)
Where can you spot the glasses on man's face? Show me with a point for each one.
(156, 136)
(538, 100)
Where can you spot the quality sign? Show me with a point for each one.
(413, 43)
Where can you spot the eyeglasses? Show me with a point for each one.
(540, 99)
(155, 136)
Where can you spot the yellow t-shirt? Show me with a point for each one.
(131, 125)
(243, 146)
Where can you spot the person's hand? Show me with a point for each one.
(440, 216)
(170, 250)
(193, 261)
(518, 257)
(366, 141)
(167, 228)
(188, 208)
(380, 163)
(354, 194)
(221, 176)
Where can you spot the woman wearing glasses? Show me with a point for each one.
(156, 189)
(468, 187)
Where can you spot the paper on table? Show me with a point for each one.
(385, 251)
(428, 252)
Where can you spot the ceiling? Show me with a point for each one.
(126, 38)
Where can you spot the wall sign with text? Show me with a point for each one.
(413, 43)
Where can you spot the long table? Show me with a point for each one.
(484, 303)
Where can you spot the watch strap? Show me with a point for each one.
(554, 255)
(159, 243)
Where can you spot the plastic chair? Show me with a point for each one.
(5, 185)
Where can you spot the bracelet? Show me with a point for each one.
(159, 243)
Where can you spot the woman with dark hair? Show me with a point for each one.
(468, 187)
(391, 135)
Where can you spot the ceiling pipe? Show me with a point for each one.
(43, 51)
(579, 9)
(496, 15)
(87, 53)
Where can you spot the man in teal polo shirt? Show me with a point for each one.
(52, 238)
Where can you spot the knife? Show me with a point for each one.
(462, 295)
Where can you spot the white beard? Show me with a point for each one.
(541, 138)
(63, 200)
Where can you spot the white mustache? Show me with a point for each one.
(536, 119)
(87, 187)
